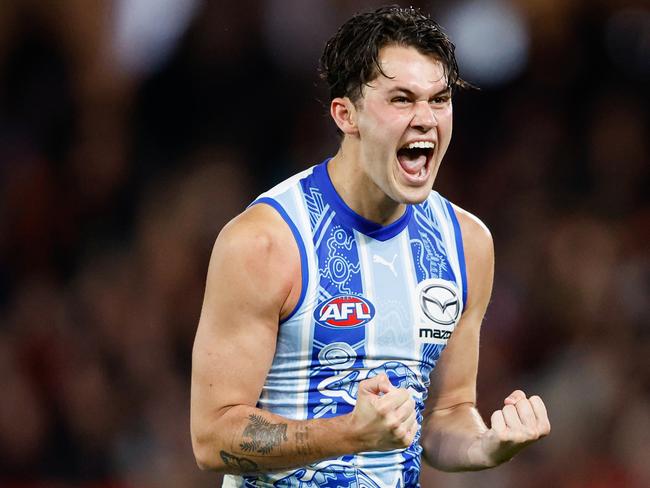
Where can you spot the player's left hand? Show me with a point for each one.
(519, 423)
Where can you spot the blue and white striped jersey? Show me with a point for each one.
(374, 300)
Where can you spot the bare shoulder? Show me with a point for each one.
(476, 236)
(479, 256)
(259, 231)
(257, 250)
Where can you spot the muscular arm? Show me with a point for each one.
(454, 436)
(254, 281)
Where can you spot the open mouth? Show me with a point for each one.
(414, 158)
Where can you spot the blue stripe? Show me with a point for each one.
(459, 250)
(417, 251)
(339, 273)
(304, 270)
(352, 219)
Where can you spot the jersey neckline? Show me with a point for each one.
(352, 219)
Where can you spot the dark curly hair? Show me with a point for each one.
(350, 58)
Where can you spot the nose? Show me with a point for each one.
(423, 117)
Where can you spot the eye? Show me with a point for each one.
(400, 100)
(441, 99)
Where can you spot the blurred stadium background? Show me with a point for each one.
(132, 130)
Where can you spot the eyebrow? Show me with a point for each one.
(446, 90)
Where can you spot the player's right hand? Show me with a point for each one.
(384, 417)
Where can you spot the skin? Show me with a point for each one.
(414, 104)
(257, 249)
(231, 435)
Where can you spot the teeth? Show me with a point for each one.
(421, 145)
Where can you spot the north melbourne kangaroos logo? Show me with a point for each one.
(344, 311)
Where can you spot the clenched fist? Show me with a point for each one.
(519, 423)
(384, 417)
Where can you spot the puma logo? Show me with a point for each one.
(376, 258)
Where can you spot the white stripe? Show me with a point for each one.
(231, 481)
(287, 184)
(452, 245)
(411, 283)
(456, 237)
(368, 290)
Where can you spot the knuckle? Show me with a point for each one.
(504, 436)
(527, 436)
(392, 422)
(405, 438)
(519, 437)
(511, 436)
(531, 433)
(393, 426)
(383, 410)
(411, 436)
(508, 435)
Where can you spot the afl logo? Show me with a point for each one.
(344, 311)
(439, 302)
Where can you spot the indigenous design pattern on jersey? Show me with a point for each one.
(374, 300)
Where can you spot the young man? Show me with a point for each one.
(330, 300)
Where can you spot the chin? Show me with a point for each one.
(409, 193)
(418, 197)
(412, 196)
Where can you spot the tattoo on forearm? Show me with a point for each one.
(240, 465)
(302, 440)
(264, 436)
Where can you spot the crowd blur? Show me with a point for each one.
(132, 130)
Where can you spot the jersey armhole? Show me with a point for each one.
(460, 250)
(304, 271)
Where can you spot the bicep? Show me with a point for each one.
(232, 353)
(236, 336)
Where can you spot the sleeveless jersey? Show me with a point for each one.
(374, 299)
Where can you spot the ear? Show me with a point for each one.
(344, 113)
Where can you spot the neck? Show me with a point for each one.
(358, 191)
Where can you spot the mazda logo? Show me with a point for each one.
(440, 303)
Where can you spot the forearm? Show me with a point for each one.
(246, 440)
(451, 439)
